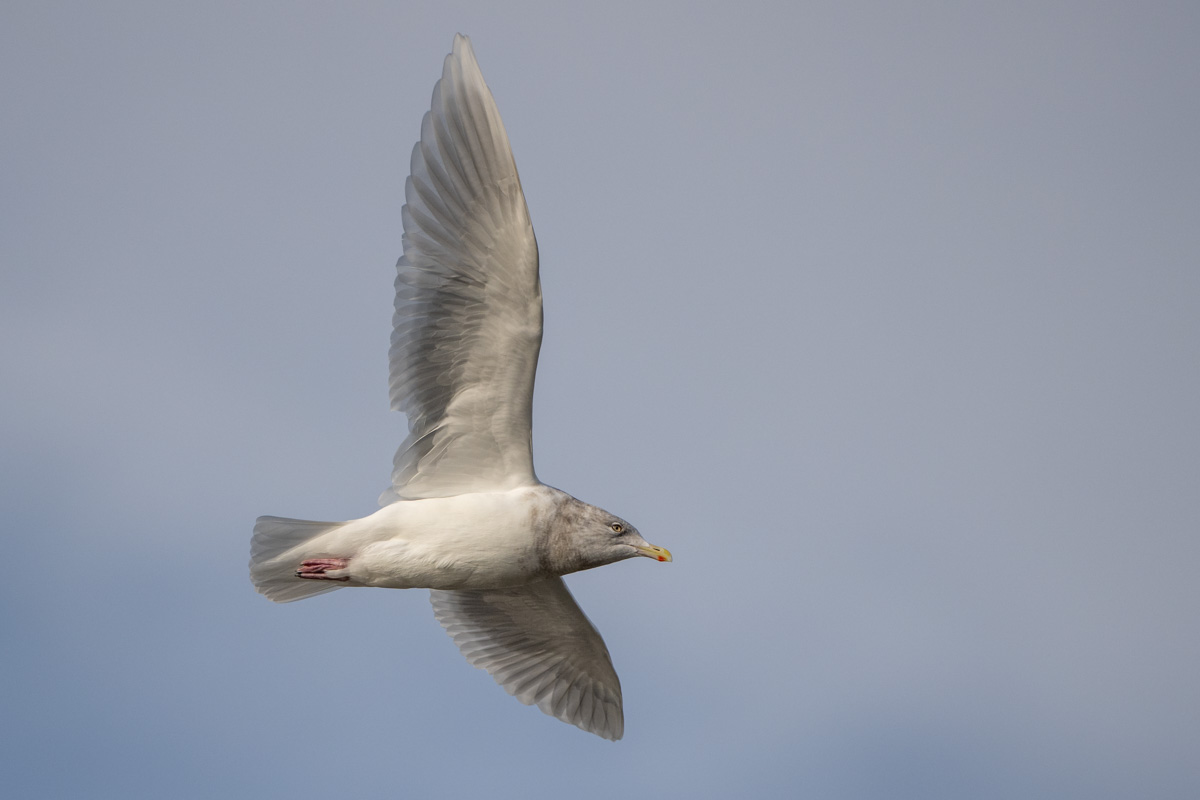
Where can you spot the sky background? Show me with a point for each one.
(884, 318)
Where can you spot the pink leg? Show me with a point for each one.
(315, 569)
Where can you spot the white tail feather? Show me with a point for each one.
(278, 547)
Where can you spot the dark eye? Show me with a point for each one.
(617, 527)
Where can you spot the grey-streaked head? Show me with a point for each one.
(586, 536)
(626, 542)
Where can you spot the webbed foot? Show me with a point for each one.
(317, 569)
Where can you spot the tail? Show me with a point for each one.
(278, 547)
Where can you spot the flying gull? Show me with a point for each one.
(466, 516)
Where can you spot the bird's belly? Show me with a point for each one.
(467, 542)
(401, 564)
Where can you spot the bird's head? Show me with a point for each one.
(602, 538)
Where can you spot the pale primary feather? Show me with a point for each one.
(538, 645)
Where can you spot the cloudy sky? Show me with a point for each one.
(884, 318)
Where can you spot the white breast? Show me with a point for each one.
(470, 541)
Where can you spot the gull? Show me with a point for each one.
(466, 516)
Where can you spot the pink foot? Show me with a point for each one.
(315, 569)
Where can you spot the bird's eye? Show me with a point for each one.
(617, 527)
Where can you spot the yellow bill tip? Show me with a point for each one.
(657, 553)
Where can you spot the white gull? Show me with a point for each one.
(466, 516)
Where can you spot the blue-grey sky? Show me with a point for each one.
(885, 318)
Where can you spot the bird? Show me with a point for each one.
(466, 516)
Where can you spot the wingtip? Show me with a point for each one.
(461, 59)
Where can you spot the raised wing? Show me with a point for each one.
(468, 322)
(537, 643)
